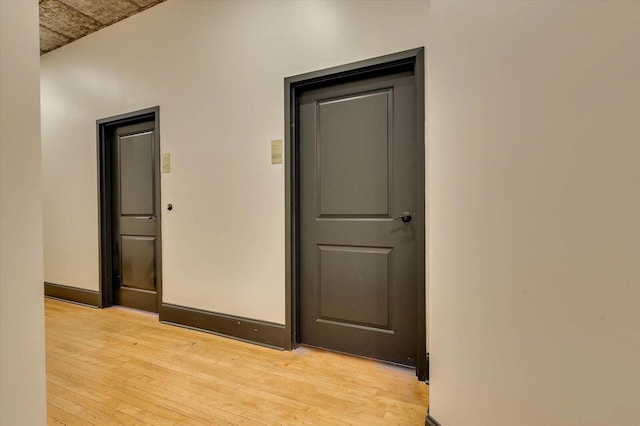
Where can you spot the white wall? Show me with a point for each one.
(534, 158)
(533, 179)
(22, 360)
(216, 69)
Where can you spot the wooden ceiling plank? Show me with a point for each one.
(146, 3)
(66, 20)
(50, 39)
(104, 12)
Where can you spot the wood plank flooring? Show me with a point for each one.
(122, 367)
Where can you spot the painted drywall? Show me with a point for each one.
(216, 70)
(534, 181)
(22, 359)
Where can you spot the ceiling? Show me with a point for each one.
(63, 21)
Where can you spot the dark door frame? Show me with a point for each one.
(293, 86)
(104, 129)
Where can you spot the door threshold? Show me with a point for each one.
(127, 308)
(381, 361)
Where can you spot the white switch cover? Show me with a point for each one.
(276, 151)
(166, 162)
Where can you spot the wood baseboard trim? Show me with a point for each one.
(248, 330)
(430, 421)
(72, 294)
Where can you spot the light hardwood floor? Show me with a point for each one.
(120, 366)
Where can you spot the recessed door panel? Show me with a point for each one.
(138, 262)
(352, 128)
(354, 285)
(136, 174)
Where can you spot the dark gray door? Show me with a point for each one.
(135, 216)
(357, 175)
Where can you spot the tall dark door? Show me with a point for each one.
(135, 216)
(357, 237)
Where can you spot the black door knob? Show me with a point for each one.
(169, 207)
(406, 217)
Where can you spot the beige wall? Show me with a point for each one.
(534, 159)
(216, 69)
(22, 361)
(532, 166)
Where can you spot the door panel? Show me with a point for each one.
(136, 174)
(135, 216)
(357, 173)
(138, 262)
(354, 284)
(354, 127)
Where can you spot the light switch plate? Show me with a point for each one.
(276, 151)
(166, 162)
